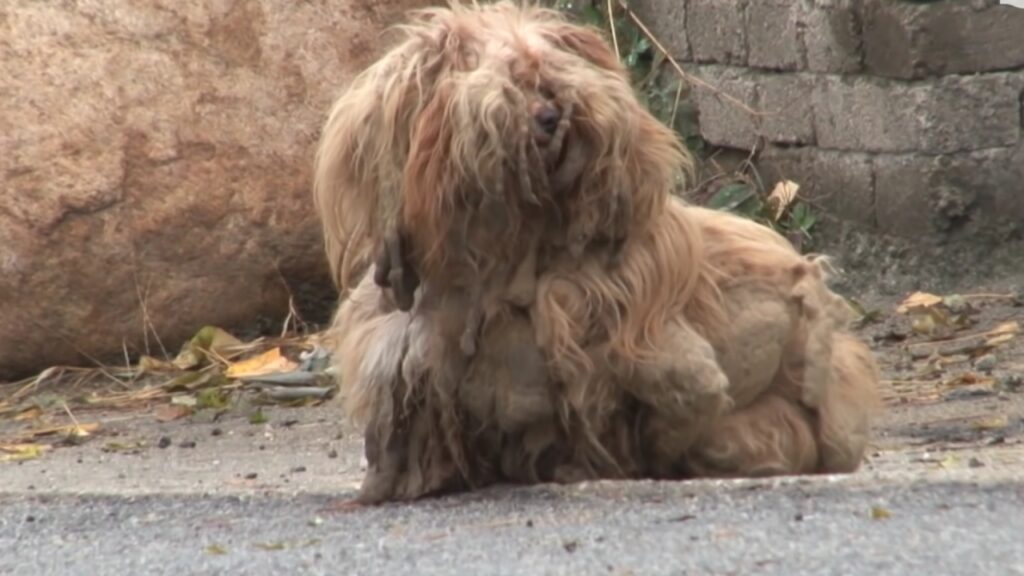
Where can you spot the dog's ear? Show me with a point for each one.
(363, 150)
(428, 184)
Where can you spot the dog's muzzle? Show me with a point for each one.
(546, 117)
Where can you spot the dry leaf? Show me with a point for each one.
(1003, 333)
(29, 413)
(991, 423)
(215, 550)
(20, 452)
(879, 513)
(782, 196)
(184, 400)
(269, 362)
(76, 430)
(918, 300)
(169, 412)
(949, 462)
(148, 365)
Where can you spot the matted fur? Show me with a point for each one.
(612, 331)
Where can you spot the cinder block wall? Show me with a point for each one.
(901, 117)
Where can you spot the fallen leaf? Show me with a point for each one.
(258, 417)
(949, 462)
(879, 513)
(271, 546)
(123, 447)
(269, 362)
(215, 549)
(21, 452)
(991, 423)
(77, 430)
(187, 400)
(213, 398)
(29, 413)
(208, 339)
(918, 300)
(169, 412)
(1003, 333)
(782, 196)
(149, 364)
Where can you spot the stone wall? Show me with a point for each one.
(900, 117)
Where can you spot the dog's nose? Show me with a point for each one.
(547, 118)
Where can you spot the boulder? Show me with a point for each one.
(155, 167)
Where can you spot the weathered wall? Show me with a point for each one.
(155, 160)
(901, 117)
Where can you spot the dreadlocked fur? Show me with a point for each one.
(525, 300)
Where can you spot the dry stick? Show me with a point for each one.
(679, 69)
(611, 25)
(147, 322)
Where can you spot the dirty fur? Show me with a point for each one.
(570, 318)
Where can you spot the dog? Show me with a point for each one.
(526, 300)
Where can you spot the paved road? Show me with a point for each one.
(259, 494)
(790, 527)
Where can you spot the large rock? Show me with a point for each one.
(155, 160)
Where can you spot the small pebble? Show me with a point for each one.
(985, 363)
(164, 442)
(251, 476)
(975, 463)
(30, 518)
(332, 453)
(216, 432)
(262, 447)
(298, 469)
(188, 444)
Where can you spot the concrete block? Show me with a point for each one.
(832, 36)
(951, 114)
(840, 183)
(773, 30)
(667, 21)
(722, 122)
(716, 32)
(786, 103)
(909, 40)
(976, 193)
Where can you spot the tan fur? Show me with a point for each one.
(574, 319)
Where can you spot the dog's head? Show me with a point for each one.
(501, 110)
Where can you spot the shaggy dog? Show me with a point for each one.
(526, 301)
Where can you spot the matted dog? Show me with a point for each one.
(526, 301)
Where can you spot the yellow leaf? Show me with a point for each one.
(991, 423)
(949, 462)
(76, 430)
(1003, 333)
(148, 364)
(918, 300)
(215, 550)
(270, 362)
(782, 196)
(879, 513)
(19, 452)
(271, 546)
(208, 339)
(29, 413)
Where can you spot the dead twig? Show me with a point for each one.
(679, 69)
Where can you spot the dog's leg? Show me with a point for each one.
(684, 389)
(770, 437)
(847, 405)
